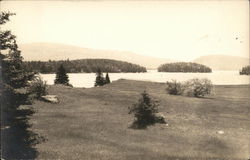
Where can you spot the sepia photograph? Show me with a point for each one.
(125, 80)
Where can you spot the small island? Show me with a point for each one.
(245, 70)
(84, 66)
(184, 67)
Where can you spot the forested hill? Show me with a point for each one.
(183, 67)
(55, 51)
(84, 65)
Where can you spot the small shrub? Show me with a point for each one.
(175, 88)
(144, 111)
(198, 87)
(38, 87)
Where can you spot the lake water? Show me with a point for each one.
(217, 77)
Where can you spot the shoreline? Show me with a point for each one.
(163, 83)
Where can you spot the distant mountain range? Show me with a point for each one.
(223, 62)
(54, 51)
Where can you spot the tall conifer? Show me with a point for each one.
(107, 80)
(99, 81)
(14, 83)
(61, 76)
(15, 78)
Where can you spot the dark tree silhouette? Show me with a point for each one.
(85, 65)
(61, 76)
(144, 111)
(14, 76)
(245, 70)
(99, 81)
(16, 138)
(107, 80)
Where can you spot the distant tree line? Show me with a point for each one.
(245, 70)
(183, 67)
(83, 65)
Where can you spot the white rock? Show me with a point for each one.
(160, 118)
(160, 115)
(51, 98)
(220, 132)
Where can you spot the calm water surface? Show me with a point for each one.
(217, 77)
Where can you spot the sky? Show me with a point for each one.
(182, 30)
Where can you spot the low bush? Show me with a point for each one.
(38, 87)
(198, 87)
(193, 87)
(144, 111)
(174, 87)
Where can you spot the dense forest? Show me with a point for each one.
(183, 67)
(84, 65)
(245, 70)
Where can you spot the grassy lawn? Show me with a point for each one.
(94, 124)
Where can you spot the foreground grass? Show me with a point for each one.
(94, 124)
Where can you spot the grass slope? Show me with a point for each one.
(94, 124)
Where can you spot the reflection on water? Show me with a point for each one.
(217, 77)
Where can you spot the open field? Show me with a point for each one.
(94, 124)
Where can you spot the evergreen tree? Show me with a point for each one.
(107, 80)
(17, 137)
(15, 78)
(144, 111)
(61, 76)
(99, 81)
